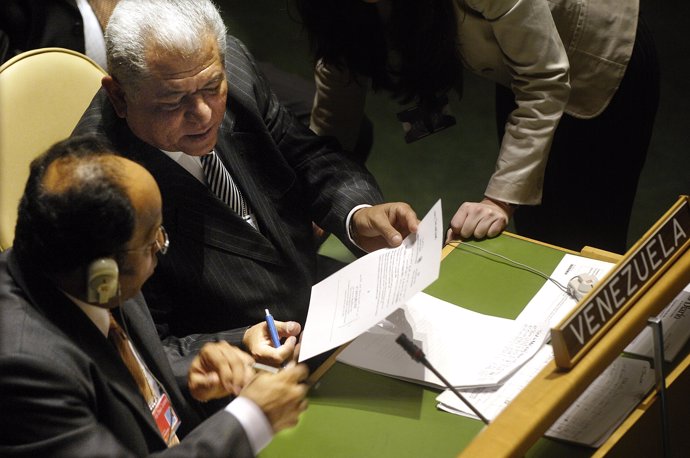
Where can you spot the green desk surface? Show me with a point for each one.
(354, 413)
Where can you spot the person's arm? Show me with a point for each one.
(537, 60)
(220, 369)
(330, 183)
(339, 101)
(48, 410)
(267, 403)
(538, 64)
(181, 351)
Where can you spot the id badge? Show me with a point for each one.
(166, 418)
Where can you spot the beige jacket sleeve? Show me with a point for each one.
(515, 42)
(338, 104)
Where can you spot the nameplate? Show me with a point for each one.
(626, 282)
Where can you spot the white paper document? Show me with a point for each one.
(466, 347)
(590, 420)
(675, 323)
(604, 405)
(369, 289)
(551, 304)
(490, 401)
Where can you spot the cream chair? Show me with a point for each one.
(43, 93)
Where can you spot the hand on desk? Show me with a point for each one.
(257, 339)
(487, 218)
(281, 396)
(219, 370)
(384, 225)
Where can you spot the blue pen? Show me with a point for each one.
(272, 329)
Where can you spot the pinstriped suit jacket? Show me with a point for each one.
(220, 273)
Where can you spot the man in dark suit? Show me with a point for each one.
(71, 24)
(182, 89)
(82, 371)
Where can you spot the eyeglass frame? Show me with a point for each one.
(162, 249)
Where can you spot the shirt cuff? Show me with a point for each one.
(347, 223)
(253, 421)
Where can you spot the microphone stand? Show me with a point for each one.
(417, 354)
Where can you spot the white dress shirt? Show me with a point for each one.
(94, 43)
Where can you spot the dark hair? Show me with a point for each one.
(415, 55)
(88, 216)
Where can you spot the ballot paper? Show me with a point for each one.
(551, 304)
(596, 414)
(469, 349)
(369, 289)
(675, 324)
(590, 420)
(490, 401)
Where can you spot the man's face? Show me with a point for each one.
(180, 107)
(139, 258)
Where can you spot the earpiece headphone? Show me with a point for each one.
(102, 284)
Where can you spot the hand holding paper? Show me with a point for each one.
(366, 291)
(383, 226)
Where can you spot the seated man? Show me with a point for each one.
(72, 382)
(242, 180)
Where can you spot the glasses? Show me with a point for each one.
(160, 245)
(162, 241)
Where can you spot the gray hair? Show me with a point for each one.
(179, 26)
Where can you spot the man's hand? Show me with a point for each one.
(384, 225)
(258, 341)
(487, 218)
(280, 396)
(219, 370)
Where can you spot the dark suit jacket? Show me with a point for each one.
(31, 24)
(64, 390)
(219, 272)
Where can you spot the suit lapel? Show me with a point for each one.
(191, 208)
(262, 188)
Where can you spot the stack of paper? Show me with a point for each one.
(590, 420)
(469, 349)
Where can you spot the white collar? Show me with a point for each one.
(99, 316)
(191, 164)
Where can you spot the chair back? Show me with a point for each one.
(43, 94)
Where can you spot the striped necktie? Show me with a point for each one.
(222, 184)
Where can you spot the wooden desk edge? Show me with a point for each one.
(326, 365)
(550, 393)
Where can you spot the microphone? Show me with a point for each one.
(417, 354)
